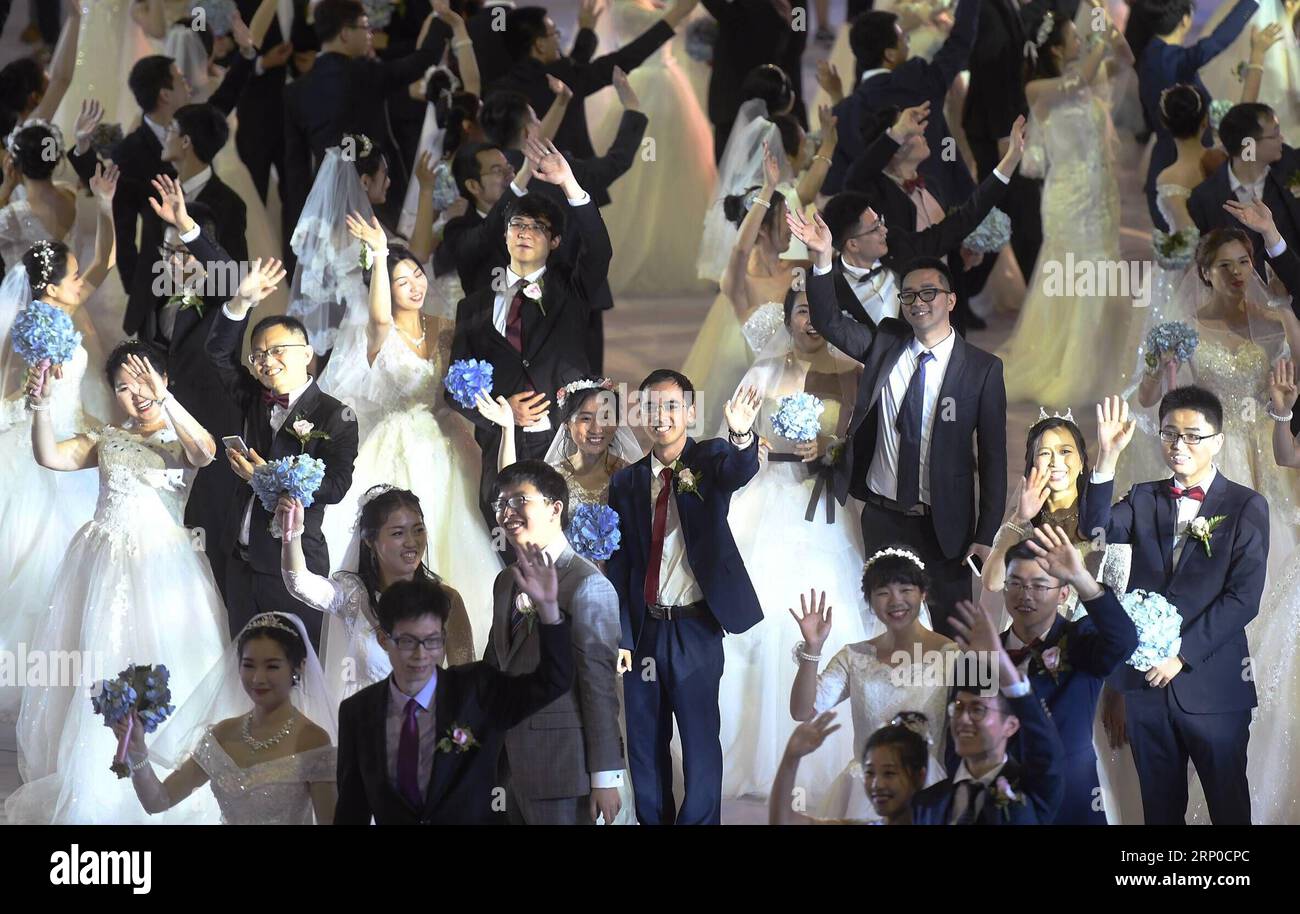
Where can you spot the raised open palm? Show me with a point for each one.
(814, 619)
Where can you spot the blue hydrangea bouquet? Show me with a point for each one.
(594, 533)
(43, 335)
(138, 688)
(467, 378)
(798, 417)
(298, 477)
(1159, 628)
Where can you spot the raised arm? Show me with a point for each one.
(1114, 432)
(157, 796)
(1260, 41)
(104, 187)
(75, 453)
(599, 172)
(810, 184)
(63, 63)
(806, 739)
(314, 590)
(733, 275)
(499, 413)
(909, 123)
(149, 15)
(846, 334)
(144, 381)
(380, 320)
(591, 268)
(815, 626)
(1282, 400)
(399, 73)
(954, 54)
(559, 107)
(1214, 44)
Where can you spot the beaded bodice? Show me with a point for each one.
(142, 487)
(277, 792)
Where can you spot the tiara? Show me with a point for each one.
(44, 251)
(367, 497)
(914, 721)
(365, 146)
(1068, 416)
(11, 141)
(901, 553)
(272, 620)
(573, 387)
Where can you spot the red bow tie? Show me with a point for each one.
(1195, 492)
(1018, 654)
(913, 184)
(270, 398)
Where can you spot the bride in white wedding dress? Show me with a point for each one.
(271, 764)
(132, 590)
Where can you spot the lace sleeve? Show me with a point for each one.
(325, 594)
(319, 766)
(833, 682)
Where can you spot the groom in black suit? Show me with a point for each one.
(532, 324)
(284, 414)
(1201, 541)
(928, 402)
(422, 746)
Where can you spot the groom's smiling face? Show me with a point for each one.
(1189, 461)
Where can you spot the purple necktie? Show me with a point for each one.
(408, 756)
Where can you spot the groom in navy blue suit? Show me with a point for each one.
(1196, 704)
(681, 584)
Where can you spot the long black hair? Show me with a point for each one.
(374, 514)
(1035, 437)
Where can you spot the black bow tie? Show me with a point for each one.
(870, 274)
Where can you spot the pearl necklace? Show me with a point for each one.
(414, 340)
(257, 745)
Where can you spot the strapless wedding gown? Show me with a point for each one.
(277, 792)
(132, 589)
(411, 439)
(1052, 358)
(656, 216)
(40, 511)
(785, 554)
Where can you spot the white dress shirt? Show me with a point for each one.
(882, 478)
(1247, 192)
(878, 295)
(677, 584)
(278, 416)
(194, 186)
(425, 723)
(158, 130)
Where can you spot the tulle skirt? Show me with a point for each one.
(716, 364)
(40, 512)
(784, 555)
(120, 598)
(437, 460)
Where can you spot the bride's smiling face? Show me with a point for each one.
(69, 291)
(265, 673)
(897, 604)
(409, 286)
(805, 336)
(1058, 456)
(592, 426)
(136, 405)
(400, 544)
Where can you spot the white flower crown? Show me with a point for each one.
(11, 141)
(573, 387)
(901, 553)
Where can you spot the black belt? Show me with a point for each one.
(669, 613)
(880, 501)
(824, 475)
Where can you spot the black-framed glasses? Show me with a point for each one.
(874, 227)
(258, 356)
(1035, 590)
(516, 503)
(167, 251)
(520, 226)
(408, 643)
(926, 295)
(976, 711)
(1169, 436)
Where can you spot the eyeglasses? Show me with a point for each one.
(407, 644)
(976, 712)
(258, 356)
(877, 226)
(520, 226)
(1168, 436)
(1035, 590)
(516, 503)
(926, 295)
(499, 170)
(167, 251)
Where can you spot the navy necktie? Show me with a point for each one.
(909, 435)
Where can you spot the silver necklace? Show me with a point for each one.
(257, 745)
(413, 340)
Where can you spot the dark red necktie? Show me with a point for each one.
(270, 398)
(1018, 654)
(1196, 493)
(657, 536)
(515, 322)
(914, 184)
(408, 756)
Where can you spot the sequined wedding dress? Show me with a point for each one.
(276, 792)
(132, 589)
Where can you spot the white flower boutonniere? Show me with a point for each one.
(1202, 528)
(1004, 795)
(1293, 183)
(687, 484)
(305, 431)
(188, 299)
(533, 292)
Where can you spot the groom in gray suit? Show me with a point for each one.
(564, 764)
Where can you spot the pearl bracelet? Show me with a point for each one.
(1276, 418)
(38, 407)
(801, 655)
(140, 765)
(822, 157)
(761, 202)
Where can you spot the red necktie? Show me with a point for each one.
(1017, 654)
(1196, 493)
(408, 756)
(515, 322)
(657, 536)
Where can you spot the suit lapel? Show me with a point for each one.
(641, 506)
(848, 298)
(952, 379)
(538, 325)
(1166, 522)
(444, 718)
(886, 366)
(1210, 507)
